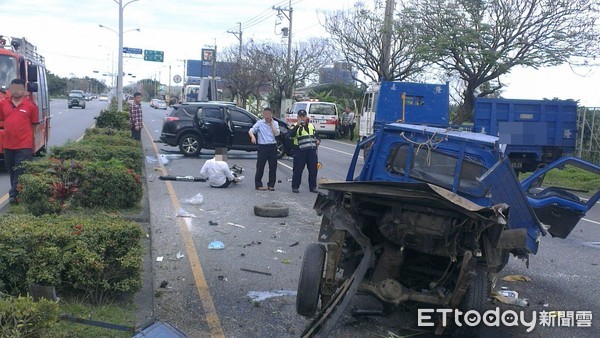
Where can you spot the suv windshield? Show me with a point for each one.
(8, 70)
(75, 95)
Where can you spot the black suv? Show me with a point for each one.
(76, 99)
(209, 125)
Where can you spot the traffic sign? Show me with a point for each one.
(154, 55)
(132, 50)
(176, 78)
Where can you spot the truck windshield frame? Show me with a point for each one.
(8, 69)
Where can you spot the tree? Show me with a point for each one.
(56, 85)
(359, 34)
(247, 75)
(481, 40)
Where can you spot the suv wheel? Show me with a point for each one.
(190, 145)
(280, 149)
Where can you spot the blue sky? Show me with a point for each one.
(67, 34)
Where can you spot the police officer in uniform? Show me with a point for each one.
(305, 152)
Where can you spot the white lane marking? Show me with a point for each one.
(589, 220)
(339, 151)
(285, 165)
(353, 145)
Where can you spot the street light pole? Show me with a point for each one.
(120, 67)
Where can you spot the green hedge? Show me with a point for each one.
(107, 131)
(113, 119)
(52, 186)
(106, 140)
(96, 256)
(22, 317)
(131, 157)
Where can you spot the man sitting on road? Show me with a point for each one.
(218, 173)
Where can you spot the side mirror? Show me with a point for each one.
(32, 73)
(32, 87)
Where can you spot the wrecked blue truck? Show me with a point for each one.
(432, 217)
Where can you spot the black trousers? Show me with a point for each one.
(266, 153)
(13, 159)
(136, 134)
(305, 158)
(351, 131)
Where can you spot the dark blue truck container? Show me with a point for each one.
(534, 131)
(417, 103)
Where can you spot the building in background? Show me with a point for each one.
(341, 73)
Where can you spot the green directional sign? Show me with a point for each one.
(154, 55)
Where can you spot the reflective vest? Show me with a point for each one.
(305, 140)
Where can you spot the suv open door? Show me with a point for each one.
(557, 206)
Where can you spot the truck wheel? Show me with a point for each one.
(474, 299)
(271, 210)
(70, 107)
(189, 145)
(309, 285)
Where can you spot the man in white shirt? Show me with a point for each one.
(218, 173)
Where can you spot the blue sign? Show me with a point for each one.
(129, 50)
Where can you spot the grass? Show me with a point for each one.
(570, 177)
(120, 313)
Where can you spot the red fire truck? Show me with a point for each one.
(19, 59)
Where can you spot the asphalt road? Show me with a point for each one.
(65, 124)
(204, 292)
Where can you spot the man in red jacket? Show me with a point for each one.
(19, 114)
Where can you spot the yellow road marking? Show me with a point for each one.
(210, 312)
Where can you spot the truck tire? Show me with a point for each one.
(190, 145)
(309, 284)
(271, 210)
(475, 299)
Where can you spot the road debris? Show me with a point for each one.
(280, 251)
(210, 222)
(285, 261)
(179, 255)
(151, 159)
(236, 225)
(251, 244)
(159, 258)
(510, 297)
(222, 278)
(216, 245)
(182, 178)
(259, 296)
(183, 213)
(196, 200)
(256, 271)
(297, 243)
(164, 284)
(516, 278)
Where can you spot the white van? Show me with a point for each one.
(323, 115)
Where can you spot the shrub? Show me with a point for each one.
(22, 317)
(52, 186)
(131, 157)
(107, 131)
(95, 256)
(110, 140)
(111, 118)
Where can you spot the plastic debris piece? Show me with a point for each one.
(289, 179)
(151, 159)
(509, 293)
(216, 245)
(196, 200)
(256, 271)
(164, 160)
(251, 244)
(516, 278)
(258, 296)
(159, 258)
(210, 222)
(278, 181)
(183, 213)
(180, 255)
(510, 297)
(236, 225)
(546, 305)
(297, 243)
(285, 261)
(222, 278)
(164, 284)
(280, 251)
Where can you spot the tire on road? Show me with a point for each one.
(190, 145)
(309, 285)
(271, 210)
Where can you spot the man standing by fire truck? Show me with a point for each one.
(18, 114)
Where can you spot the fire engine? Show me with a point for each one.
(19, 59)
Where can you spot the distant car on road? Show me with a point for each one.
(160, 104)
(103, 98)
(76, 99)
(209, 125)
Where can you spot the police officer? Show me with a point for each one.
(305, 152)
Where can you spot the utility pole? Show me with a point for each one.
(387, 38)
(238, 35)
(288, 70)
(214, 60)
